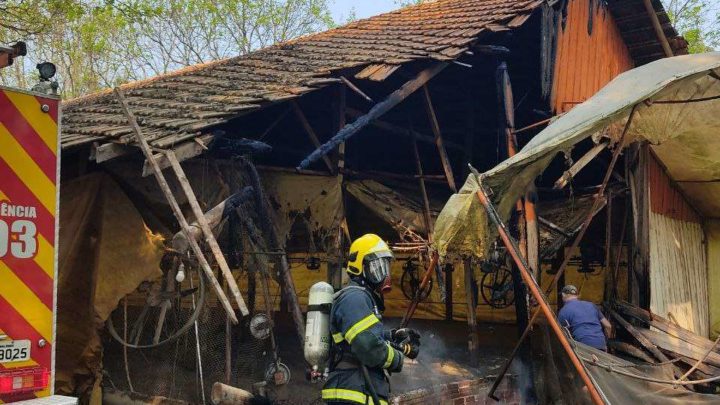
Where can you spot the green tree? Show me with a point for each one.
(698, 21)
(405, 3)
(101, 43)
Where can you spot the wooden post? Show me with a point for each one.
(281, 263)
(311, 133)
(506, 124)
(533, 235)
(423, 191)
(377, 111)
(335, 269)
(439, 139)
(165, 187)
(449, 292)
(209, 236)
(473, 338)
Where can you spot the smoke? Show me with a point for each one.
(443, 356)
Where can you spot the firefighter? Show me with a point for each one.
(357, 330)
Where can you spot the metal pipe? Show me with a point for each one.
(514, 251)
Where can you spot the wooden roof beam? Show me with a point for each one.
(658, 28)
(377, 111)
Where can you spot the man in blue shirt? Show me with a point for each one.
(584, 321)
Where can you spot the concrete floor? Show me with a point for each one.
(443, 358)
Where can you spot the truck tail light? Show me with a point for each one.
(24, 380)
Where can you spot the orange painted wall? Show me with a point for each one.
(665, 199)
(585, 63)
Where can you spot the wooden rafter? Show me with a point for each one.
(311, 133)
(439, 139)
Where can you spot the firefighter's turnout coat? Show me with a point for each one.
(359, 337)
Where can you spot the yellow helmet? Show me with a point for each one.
(370, 256)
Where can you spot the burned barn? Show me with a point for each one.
(198, 207)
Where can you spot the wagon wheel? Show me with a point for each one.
(162, 310)
(496, 288)
(410, 282)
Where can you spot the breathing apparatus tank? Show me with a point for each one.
(317, 330)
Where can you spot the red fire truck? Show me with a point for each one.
(29, 185)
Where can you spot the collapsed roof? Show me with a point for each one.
(180, 106)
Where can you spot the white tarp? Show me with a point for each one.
(682, 127)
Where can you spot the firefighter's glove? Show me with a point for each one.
(407, 341)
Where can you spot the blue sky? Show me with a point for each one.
(341, 9)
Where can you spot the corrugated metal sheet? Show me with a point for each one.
(678, 272)
(712, 235)
(678, 261)
(665, 199)
(586, 62)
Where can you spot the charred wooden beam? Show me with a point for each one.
(213, 217)
(377, 111)
(398, 130)
(439, 142)
(373, 174)
(473, 338)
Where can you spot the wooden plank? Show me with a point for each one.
(377, 111)
(165, 187)
(664, 325)
(439, 139)
(579, 165)
(383, 73)
(207, 231)
(640, 337)
(675, 345)
(183, 152)
(107, 151)
(311, 133)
